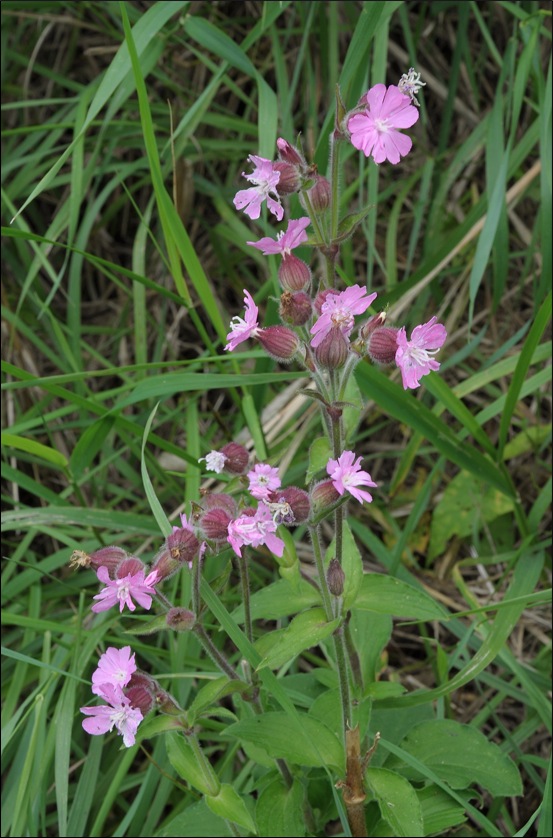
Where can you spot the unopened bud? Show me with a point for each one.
(214, 523)
(333, 350)
(289, 154)
(290, 178)
(165, 703)
(140, 691)
(129, 567)
(219, 500)
(335, 578)
(323, 496)
(374, 322)
(279, 342)
(294, 274)
(295, 309)
(382, 345)
(320, 194)
(180, 619)
(237, 457)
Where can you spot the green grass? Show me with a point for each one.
(123, 262)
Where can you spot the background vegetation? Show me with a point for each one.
(113, 303)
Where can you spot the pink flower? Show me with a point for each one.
(374, 131)
(286, 240)
(338, 311)
(185, 524)
(115, 668)
(255, 530)
(265, 177)
(123, 590)
(263, 480)
(242, 329)
(346, 475)
(413, 357)
(117, 713)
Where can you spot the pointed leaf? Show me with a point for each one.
(229, 805)
(304, 631)
(397, 800)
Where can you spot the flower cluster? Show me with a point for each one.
(318, 325)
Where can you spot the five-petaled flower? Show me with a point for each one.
(118, 713)
(115, 668)
(375, 132)
(414, 357)
(243, 328)
(265, 179)
(346, 476)
(124, 590)
(254, 530)
(263, 479)
(338, 311)
(286, 240)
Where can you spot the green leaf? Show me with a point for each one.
(184, 761)
(312, 744)
(319, 455)
(229, 805)
(196, 821)
(439, 811)
(397, 800)
(155, 505)
(280, 599)
(460, 755)
(279, 810)
(349, 223)
(37, 449)
(211, 693)
(90, 443)
(465, 506)
(387, 595)
(305, 630)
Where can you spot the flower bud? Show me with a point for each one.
(236, 458)
(279, 342)
(140, 691)
(323, 496)
(294, 274)
(333, 350)
(289, 154)
(335, 578)
(128, 567)
(320, 194)
(214, 524)
(290, 178)
(298, 501)
(321, 298)
(166, 704)
(217, 500)
(382, 345)
(374, 322)
(180, 619)
(295, 309)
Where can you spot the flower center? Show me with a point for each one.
(381, 125)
